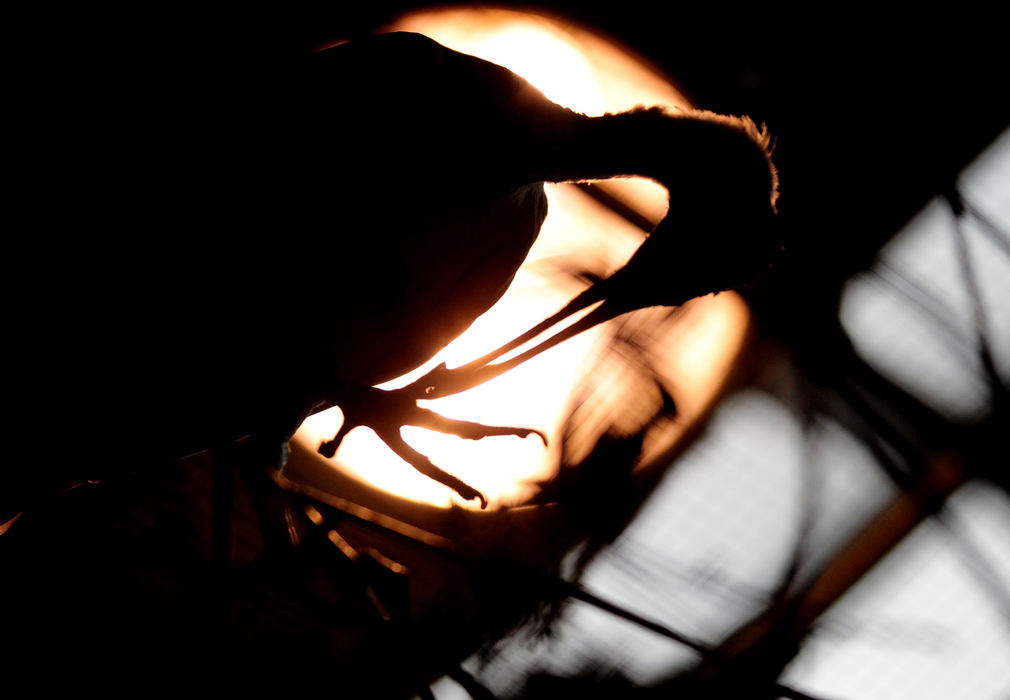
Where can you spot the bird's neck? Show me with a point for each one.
(680, 150)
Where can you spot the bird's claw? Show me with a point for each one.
(469, 493)
(526, 432)
(385, 412)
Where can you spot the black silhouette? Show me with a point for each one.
(467, 146)
(281, 239)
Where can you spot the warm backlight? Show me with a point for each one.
(582, 72)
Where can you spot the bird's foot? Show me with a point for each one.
(385, 412)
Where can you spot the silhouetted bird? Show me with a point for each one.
(277, 240)
(444, 156)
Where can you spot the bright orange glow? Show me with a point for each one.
(571, 66)
(582, 72)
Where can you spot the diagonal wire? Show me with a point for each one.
(474, 688)
(998, 388)
(811, 487)
(925, 300)
(996, 234)
(705, 651)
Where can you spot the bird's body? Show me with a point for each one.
(341, 241)
(426, 182)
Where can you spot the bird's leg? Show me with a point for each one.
(385, 412)
(580, 302)
(443, 381)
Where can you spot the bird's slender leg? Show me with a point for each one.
(443, 381)
(580, 302)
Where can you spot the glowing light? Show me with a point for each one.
(590, 75)
(571, 66)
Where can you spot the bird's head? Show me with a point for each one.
(722, 229)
